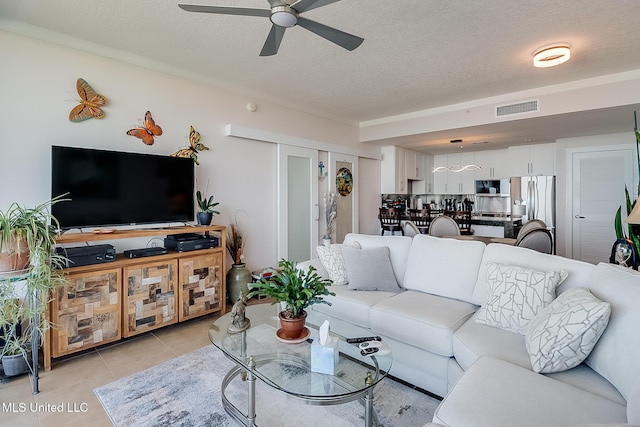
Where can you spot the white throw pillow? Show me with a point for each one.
(370, 269)
(332, 260)
(516, 295)
(563, 334)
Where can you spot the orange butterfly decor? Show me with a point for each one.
(194, 146)
(148, 130)
(90, 103)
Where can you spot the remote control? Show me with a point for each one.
(370, 344)
(363, 339)
(369, 351)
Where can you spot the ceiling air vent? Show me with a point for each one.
(519, 108)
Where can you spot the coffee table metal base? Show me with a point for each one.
(365, 397)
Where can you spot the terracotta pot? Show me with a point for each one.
(14, 255)
(292, 328)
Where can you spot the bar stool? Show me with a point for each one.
(421, 218)
(390, 220)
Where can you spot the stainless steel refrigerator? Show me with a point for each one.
(538, 195)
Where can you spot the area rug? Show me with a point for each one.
(185, 391)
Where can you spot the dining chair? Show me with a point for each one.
(531, 225)
(463, 219)
(390, 220)
(411, 229)
(421, 218)
(538, 239)
(444, 225)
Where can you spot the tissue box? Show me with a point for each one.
(324, 358)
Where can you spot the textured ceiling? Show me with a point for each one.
(417, 54)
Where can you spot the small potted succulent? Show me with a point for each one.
(297, 289)
(206, 205)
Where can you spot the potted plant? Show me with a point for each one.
(297, 289)
(25, 291)
(206, 205)
(15, 349)
(238, 276)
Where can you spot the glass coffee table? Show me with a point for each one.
(258, 353)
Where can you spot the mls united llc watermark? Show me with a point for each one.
(66, 407)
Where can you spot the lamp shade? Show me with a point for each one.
(634, 216)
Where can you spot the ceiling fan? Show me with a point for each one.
(285, 14)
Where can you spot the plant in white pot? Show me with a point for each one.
(297, 289)
(206, 205)
(26, 290)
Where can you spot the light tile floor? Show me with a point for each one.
(66, 395)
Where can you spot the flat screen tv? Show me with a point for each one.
(117, 188)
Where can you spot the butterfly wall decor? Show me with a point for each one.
(194, 146)
(148, 130)
(90, 103)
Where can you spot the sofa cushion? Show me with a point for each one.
(516, 295)
(333, 262)
(495, 393)
(563, 334)
(398, 249)
(351, 306)
(616, 356)
(445, 267)
(504, 254)
(423, 320)
(472, 341)
(369, 269)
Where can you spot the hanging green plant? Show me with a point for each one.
(631, 229)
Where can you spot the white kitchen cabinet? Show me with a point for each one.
(525, 160)
(493, 163)
(440, 178)
(414, 164)
(423, 185)
(393, 173)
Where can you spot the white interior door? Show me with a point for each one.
(297, 203)
(347, 204)
(599, 178)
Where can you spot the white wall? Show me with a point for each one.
(37, 88)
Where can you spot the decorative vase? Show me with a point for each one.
(204, 218)
(238, 277)
(326, 241)
(292, 328)
(15, 364)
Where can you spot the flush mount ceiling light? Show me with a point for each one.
(551, 56)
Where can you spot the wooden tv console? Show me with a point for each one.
(119, 299)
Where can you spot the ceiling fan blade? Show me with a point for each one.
(342, 39)
(243, 11)
(272, 44)
(304, 5)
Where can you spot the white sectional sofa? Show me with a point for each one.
(485, 373)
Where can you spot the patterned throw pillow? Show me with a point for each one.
(516, 295)
(563, 334)
(332, 261)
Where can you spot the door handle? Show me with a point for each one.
(579, 217)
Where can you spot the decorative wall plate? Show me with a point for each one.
(344, 181)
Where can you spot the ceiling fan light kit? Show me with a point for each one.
(285, 14)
